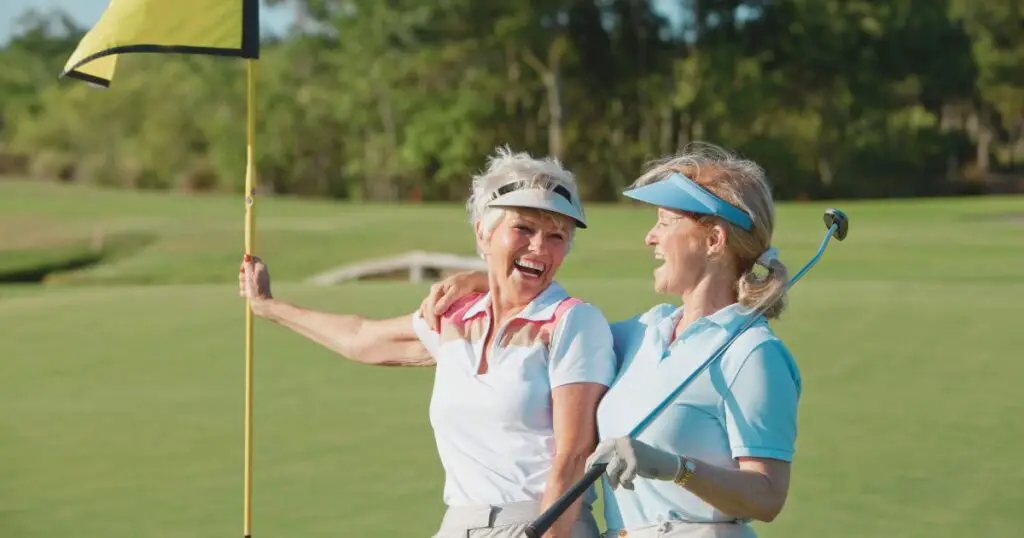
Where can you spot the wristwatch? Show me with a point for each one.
(686, 471)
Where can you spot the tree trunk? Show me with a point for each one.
(512, 69)
(984, 143)
(556, 125)
(666, 131)
(381, 181)
(984, 147)
(824, 170)
(551, 76)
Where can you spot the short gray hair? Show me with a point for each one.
(506, 166)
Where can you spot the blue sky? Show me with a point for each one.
(87, 12)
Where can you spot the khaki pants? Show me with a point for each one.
(505, 521)
(680, 529)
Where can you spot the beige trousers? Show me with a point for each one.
(505, 521)
(681, 529)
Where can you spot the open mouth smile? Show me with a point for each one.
(529, 269)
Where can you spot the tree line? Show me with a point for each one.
(404, 99)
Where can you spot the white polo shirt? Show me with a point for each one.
(494, 430)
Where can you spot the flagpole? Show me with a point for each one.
(250, 233)
(161, 27)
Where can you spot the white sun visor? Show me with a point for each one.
(557, 199)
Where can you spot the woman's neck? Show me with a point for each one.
(503, 307)
(710, 295)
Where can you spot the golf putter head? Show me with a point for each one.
(842, 222)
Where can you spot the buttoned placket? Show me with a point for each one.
(668, 326)
(478, 348)
(481, 347)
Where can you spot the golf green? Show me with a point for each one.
(122, 403)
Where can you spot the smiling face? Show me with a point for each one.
(684, 246)
(524, 251)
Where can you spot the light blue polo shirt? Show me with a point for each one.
(745, 404)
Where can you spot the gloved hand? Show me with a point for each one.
(627, 458)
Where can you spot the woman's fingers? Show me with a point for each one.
(614, 470)
(445, 301)
(429, 308)
(602, 454)
(243, 277)
(253, 279)
(624, 449)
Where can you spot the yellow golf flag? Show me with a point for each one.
(211, 27)
(229, 28)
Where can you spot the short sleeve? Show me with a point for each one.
(624, 331)
(761, 405)
(430, 339)
(629, 333)
(581, 348)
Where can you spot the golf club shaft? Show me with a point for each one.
(543, 522)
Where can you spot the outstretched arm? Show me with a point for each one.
(389, 342)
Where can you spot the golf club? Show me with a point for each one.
(838, 225)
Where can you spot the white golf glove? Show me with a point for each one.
(627, 458)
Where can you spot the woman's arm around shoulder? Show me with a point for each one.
(449, 291)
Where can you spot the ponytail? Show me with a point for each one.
(766, 291)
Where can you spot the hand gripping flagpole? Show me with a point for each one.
(250, 241)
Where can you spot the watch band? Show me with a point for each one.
(686, 471)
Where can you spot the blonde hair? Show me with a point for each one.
(505, 167)
(742, 183)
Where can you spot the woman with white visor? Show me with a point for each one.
(719, 457)
(519, 369)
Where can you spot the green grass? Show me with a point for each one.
(122, 404)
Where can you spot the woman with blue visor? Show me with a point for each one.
(718, 457)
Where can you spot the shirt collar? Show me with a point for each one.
(727, 318)
(541, 308)
(730, 317)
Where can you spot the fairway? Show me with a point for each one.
(122, 383)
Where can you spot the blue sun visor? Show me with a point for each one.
(681, 193)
